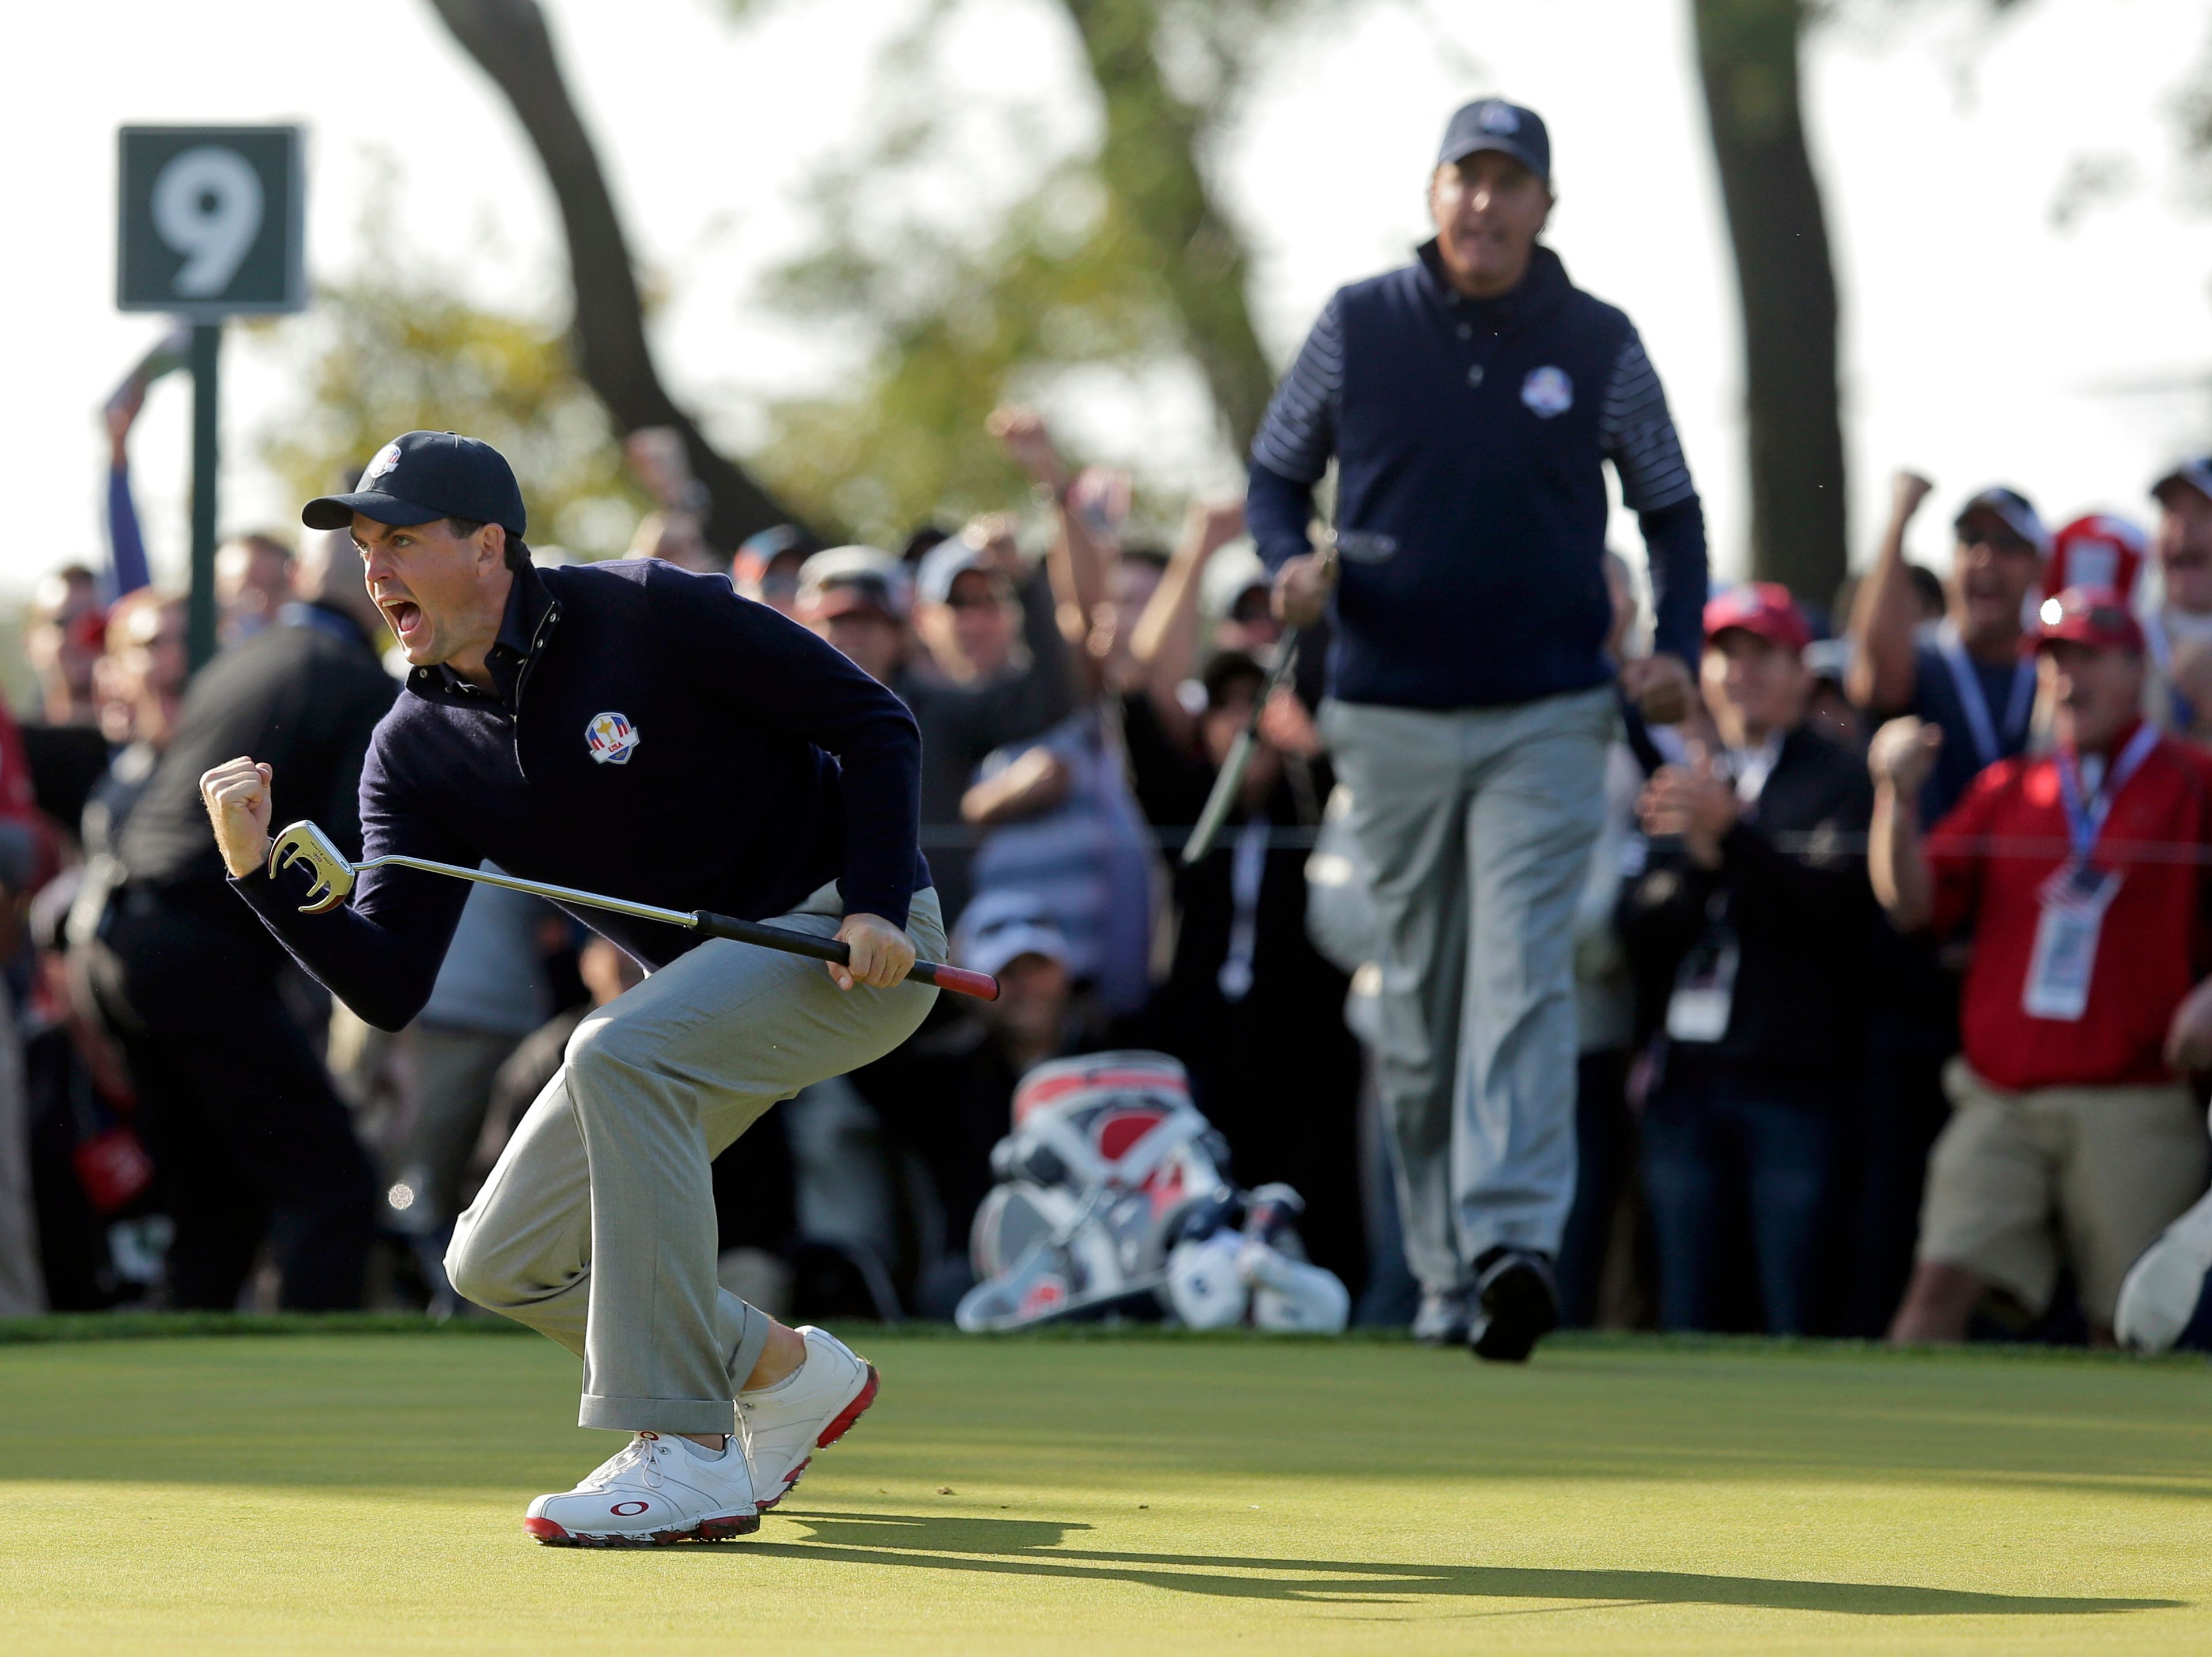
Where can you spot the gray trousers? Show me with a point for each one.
(454, 1068)
(596, 1224)
(1476, 827)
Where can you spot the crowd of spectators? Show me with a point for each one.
(1847, 1064)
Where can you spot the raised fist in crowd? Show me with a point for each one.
(1903, 753)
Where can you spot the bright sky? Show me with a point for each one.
(1980, 340)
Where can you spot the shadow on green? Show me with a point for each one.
(1034, 1548)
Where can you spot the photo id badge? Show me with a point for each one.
(2074, 900)
(1705, 990)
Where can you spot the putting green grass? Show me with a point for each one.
(363, 1492)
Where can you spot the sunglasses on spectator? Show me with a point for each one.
(1997, 541)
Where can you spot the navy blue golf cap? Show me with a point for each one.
(1493, 124)
(423, 476)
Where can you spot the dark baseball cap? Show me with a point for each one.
(2011, 507)
(2196, 472)
(1493, 124)
(423, 476)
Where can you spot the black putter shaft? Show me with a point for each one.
(1223, 800)
(335, 874)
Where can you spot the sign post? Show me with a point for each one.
(210, 223)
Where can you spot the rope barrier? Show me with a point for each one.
(1806, 844)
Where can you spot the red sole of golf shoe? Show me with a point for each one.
(840, 1424)
(713, 1530)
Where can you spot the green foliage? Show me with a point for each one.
(956, 331)
(1119, 258)
(386, 351)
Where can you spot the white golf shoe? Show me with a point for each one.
(809, 1409)
(656, 1489)
(2160, 1294)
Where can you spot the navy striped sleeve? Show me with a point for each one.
(1638, 435)
(1298, 435)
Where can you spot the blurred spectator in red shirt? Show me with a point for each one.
(64, 638)
(2071, 1138)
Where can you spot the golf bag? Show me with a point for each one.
(1113, 1195)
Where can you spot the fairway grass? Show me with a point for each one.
(363, 1492)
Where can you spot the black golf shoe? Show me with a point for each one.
(1517, 1304)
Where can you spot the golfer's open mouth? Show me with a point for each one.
(405, 617)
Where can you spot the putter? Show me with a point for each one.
(1223, 800)
(334, 876)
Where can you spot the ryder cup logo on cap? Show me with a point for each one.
(386, 458)
(1548, 391)
(1499, 117)
(611, 738)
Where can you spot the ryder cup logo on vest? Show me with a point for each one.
(1548, 391)
(611, 738)
(386, 458)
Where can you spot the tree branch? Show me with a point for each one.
(1748, 60)
(1150, 162)
(510, 41)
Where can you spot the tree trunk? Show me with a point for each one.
(510, 42)
(1748, 58)
(1150, 162)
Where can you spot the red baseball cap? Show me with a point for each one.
(2099, 550)
(1764, 609)
(2094, 616)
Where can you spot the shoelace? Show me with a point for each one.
(642, 1451)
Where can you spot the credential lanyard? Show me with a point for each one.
(1976, 706)
(2085, 818)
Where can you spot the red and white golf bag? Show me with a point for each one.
(1113, 1195)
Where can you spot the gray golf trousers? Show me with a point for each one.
(596, 1224)
(1476, 827)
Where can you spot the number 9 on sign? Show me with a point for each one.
(207, 204)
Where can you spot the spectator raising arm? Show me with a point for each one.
(1903, 754)
(1882, 673)
(1166, 643)
(126, 546)
(1075, 561)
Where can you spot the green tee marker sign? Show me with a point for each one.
(211, 220)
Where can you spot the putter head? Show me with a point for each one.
(304, 843)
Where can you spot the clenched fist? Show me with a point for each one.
(1659, 687)
(1302, 589)
(1902, 754)
(882, 952)
(236, 794)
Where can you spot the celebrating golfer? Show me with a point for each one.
(1470, 400)
(630, 728)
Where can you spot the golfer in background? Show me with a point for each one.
(1469, 400)
(633, 728)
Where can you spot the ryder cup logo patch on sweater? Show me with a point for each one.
(1548, 391)
(611, 738)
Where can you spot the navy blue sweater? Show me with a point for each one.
(724, 792)
(1470, 438)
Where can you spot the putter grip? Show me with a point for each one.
(959, 979)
